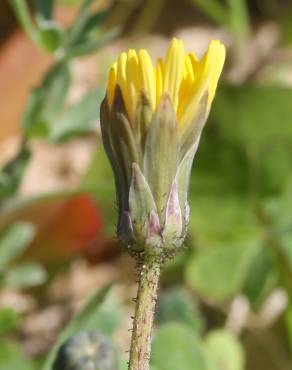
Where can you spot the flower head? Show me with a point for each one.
(151, 121)
(180, 74)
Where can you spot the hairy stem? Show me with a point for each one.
(144, 314)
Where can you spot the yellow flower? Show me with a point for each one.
(185, 78)
(151, 123)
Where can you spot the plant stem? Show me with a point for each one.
(148, 16)
(144, 315)
(239, 19)
(215, 10)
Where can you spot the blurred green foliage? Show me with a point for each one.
(101, 313)
(178, 305)
(240, 239)
(176, 346)
(9, 320)
(13, 241)
(12, 357)
(232, 14)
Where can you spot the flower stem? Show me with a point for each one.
(144, 315)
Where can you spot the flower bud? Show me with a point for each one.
(151, 121)
(86, 351)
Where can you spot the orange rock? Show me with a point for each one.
(21, 68)
(65, 228)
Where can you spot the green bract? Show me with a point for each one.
(151, 160)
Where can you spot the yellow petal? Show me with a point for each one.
(186, 86)
(186, 79)
(133, 82)
(121, 77)
(206, 78)
(174, 70)
(194, 60)
(218, 59)
(121, 69)
(111, 84)
(189, 70)
(147, 76)
(159, 81)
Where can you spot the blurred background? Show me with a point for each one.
(226, 302)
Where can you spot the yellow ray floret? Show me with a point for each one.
(186, 79)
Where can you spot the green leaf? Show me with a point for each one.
(278, 211)
(288, 322)
(224, 351)
(101, 313)
(50, 35)
(91, 45)
(85, 22)
(246, 147)
(12, 172)
(285, 241)
(173, 273)
(220, 272)
(44, 8)
(178, 305)
(12, 358)
(262, 277)
(22, 13)
(175, 347)
(46, 101)
(232, 215)
(99, 177)
(95, 20)
(13, 241)
(262, 113)
(44, 32)
(25, 275)
(9, 320)
(80, 118)
(123, 365)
